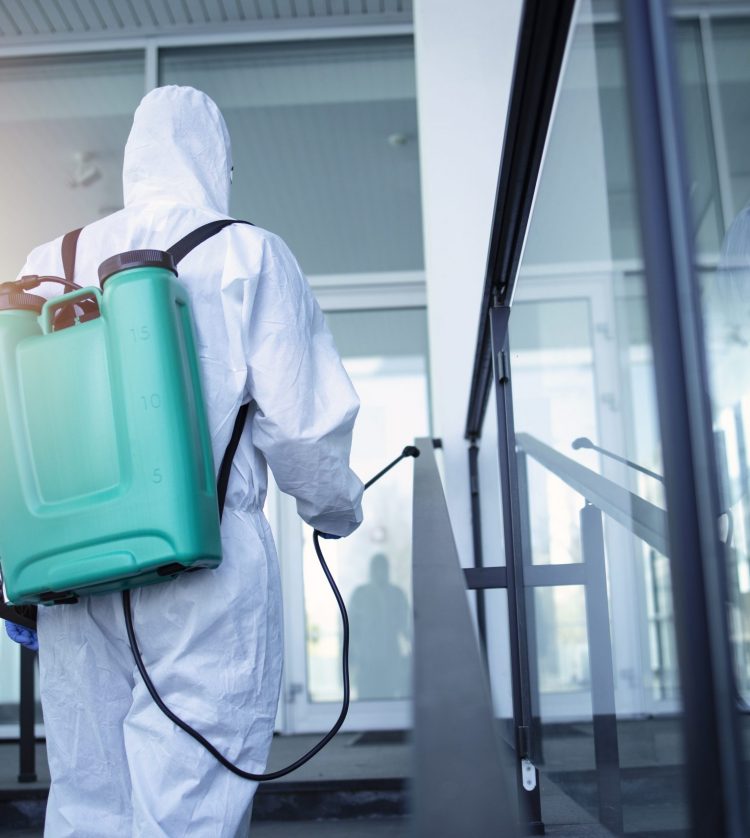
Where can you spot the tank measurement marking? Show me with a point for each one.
(141, 334)
(156, 476)
(152, 401)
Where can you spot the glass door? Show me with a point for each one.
(385, 353)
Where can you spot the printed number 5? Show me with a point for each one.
(156, 476)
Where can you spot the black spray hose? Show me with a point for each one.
(409, 451)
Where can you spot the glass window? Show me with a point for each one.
(65, 120)
(324, 139)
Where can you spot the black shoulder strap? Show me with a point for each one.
(181, 249)
(69, 245)
(226, 464)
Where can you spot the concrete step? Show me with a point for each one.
(345, 781)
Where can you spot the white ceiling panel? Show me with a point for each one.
(35, 14)
(52, 22)
(15, 21)
(147, 13)
(57, 18)
(248, 10)
(85, 16)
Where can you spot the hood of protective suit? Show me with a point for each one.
(178, 151)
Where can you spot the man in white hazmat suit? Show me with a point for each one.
(211, 641)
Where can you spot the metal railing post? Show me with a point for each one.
(27, 744)
(476, 534)
(537, 739)
(606, 750)
(527, 774)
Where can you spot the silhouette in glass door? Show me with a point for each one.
(380, 636)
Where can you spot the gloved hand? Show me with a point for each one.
(326, 535)
(26, 637)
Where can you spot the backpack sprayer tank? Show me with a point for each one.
(107, 474)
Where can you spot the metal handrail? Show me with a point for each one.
(643, 518)
(542, 38)
(461, 785)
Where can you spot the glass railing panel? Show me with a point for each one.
(722, 272)
(599, 596)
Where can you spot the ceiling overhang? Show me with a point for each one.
(31, 25)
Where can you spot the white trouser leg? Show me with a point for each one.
(86, 689)
(212, 644)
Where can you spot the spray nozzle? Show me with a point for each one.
(409, 451)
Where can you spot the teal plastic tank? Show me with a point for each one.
(105, 455)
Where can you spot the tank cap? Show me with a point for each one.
(11, 299)
(135, 259)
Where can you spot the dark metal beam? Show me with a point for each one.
(541, 45)
(483, 578)
(531, 810)
(27, 743)
(476, 537)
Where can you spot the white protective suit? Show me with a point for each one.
(212, 641)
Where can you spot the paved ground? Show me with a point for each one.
(343, 758)
(378, 828)
(381, 827)
(649, 771)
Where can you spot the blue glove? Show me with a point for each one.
(26, 637)
(326, 535)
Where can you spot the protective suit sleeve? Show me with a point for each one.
(305, 405)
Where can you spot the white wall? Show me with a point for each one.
(464, 62)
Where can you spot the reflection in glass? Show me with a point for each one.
(555, 401)
(562, 645)
(727, 308)
(730, 71)
(380, 650)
